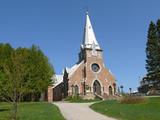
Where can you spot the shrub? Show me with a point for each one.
(73, 98)
(79, 99)
(129, 99)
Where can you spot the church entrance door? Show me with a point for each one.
(96, 87)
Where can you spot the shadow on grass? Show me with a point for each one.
(4, 109)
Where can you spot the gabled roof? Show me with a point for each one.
(89, 39)
(58, 79)
(71, 70)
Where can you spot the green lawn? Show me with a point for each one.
(149, 110)
(32, 111)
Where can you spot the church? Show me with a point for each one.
(89, 77)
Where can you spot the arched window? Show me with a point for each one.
(96, 87)
(72, 89)
(76, 90)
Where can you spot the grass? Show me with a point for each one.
(148, 110)
(32, 111)
(78, 99)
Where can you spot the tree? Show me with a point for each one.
(152, 52)
(39, 72)
(9, 88)
(5, 60)
(158, 55)
(22, 71)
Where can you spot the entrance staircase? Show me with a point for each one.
(88, 96)
(99, 96)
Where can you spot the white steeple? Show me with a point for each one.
(89, 39)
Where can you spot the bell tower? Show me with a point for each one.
(92, 55)
(89, 46)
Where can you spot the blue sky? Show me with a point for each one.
(56, 26)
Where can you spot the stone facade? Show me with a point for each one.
(84, 77)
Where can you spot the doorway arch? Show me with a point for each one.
(110, 90)
(97, 87)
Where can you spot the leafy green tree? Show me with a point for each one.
(9, 81)
(5, 60)
(23, 71)
(39, 72)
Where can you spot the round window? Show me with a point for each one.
(95, 67)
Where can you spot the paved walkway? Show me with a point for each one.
(79, 111)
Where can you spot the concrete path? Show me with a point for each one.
(80, 111)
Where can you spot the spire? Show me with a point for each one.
(89, 39)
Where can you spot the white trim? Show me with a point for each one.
(110, 84)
